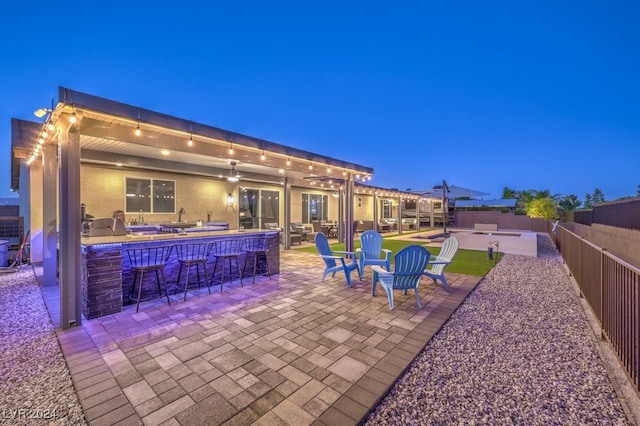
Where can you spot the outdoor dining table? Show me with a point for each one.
(330, 230)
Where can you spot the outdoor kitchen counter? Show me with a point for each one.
(107, 278)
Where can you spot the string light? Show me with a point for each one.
(138, 132)
(263, 157)
(289, 161)
(310, 166)
(190, 142)
(230, 148)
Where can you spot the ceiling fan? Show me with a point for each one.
(233, 173)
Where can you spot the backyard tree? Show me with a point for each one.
(597, 197)
(588, 201)
(544, 208)
(570, 202)
(526, 196)
(508, 193)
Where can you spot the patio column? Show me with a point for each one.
(31, 206)
(341, 213)
(49, 210)
(70, 225)
(348, 226)
(418, 202)
(375, 211)
(286, 232)
(432, 218)
(400, 215)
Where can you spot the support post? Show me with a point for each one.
(49, 220)
(341, 216)
(286, 232)
(348, 226)
(400, 215)
(70, 223)
(375, 211)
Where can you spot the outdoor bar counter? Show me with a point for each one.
(107, 278)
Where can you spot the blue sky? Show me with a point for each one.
(529, 95)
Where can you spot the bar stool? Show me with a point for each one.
(256, 246)
(193, 254)
(227, 250)
(149, 259)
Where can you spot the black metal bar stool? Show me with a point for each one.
(193, 254)
(148, 259)
(256, 246)
(227, 250)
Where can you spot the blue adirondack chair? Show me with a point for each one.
(410, 263)
(437, 264)
(335, 260)
(371, 251)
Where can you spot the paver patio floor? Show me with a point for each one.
(291, 350)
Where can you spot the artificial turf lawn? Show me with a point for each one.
(468, 262)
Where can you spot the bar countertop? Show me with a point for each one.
(138, 237)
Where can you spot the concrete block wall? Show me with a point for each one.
(620, 242)
(468, 219)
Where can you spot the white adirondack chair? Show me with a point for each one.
(437, 264)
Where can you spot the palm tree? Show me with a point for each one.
(570, 202)
(508, 193)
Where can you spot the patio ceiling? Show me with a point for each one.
(108, 141)
(108, 136)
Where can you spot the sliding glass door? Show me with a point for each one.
(257, 207)
(315, 207)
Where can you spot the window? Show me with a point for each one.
(387, 207)
(140, 192)
(164, 200)
(315, 207)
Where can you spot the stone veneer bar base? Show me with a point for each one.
(107, 278)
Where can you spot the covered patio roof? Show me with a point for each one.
(117, 134)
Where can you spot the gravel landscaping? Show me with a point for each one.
(519, 350)
(35, 384)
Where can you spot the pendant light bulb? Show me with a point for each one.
(73, 118)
